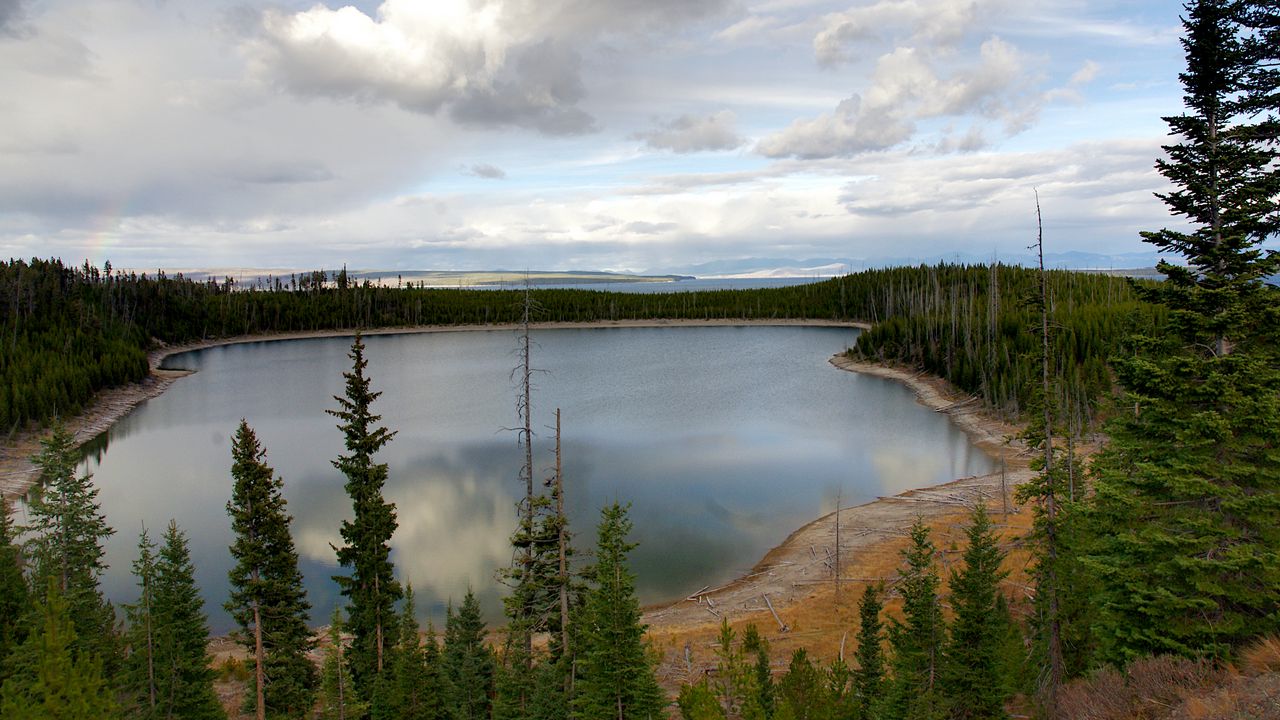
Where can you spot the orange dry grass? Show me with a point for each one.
(822, 624)
(1263, 656)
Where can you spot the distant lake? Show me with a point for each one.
(723, 439)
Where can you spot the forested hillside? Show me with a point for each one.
(72, 331)
(978, 328)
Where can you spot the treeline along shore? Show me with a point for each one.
(71, 332)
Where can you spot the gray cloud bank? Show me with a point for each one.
(490, 64)
(689, 133)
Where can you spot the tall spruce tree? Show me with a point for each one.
(14, 598)
(183, 676)
(868, 677)
(57, 681)
(370, 588)
(267, 600)
(139, 672)
(1188, 489)
(916, 641)
(616, 675)
(466, 663)
(973, 672)
(67, 533)
(1261, 101)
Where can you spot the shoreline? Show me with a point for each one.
(18, 474)
(798, 574)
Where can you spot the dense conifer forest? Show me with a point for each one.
(1163, 561)
(73, 331)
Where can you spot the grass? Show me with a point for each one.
(823, 625)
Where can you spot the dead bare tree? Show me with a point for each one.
(1048, 493)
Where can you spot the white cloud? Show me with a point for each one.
(904, 89)
(933, 23)
(186, 134)
(689, 133)
(1086, 74)
(749, 27)
(491, 64)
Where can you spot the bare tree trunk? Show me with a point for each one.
(259, 656)
(1050, 500)
(342, 676)
(526, 435)
(836, 569)
(562, 540)
(377, 593)
(151, 668)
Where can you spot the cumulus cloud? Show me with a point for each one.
(492, 64)
(691, 133)
(933, 23)
(905, 88)
(1072, 178)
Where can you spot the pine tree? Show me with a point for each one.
(67, 532)
(868, 678)
(972, 678)
(698, 702)
(57, 682)
(371, 589)
(338, 697)
(802, 695)
(616, 674)
(406, 690)
(14, 600)
(434, 692)
(140, 663)
(916, 641)
(184, 678)
(1261, 101)
(842, 695)
(1187, 492)
(466, 663)
(268, 600)
(760, 695)
(731, 679)
(552, 697)
(514, 680)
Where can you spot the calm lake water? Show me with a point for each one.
(723, 439)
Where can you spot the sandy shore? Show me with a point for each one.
(17, 474)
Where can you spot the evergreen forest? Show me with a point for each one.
(1156, 554)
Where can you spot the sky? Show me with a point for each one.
(626, 135)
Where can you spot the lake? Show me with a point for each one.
(723, 439)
